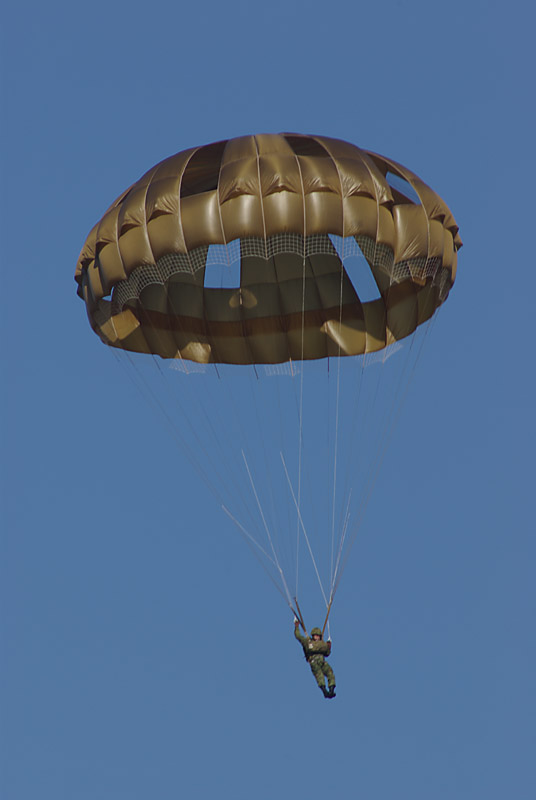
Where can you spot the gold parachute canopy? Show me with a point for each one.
(289, 209)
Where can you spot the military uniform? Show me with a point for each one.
(316, 652)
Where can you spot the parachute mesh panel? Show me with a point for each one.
(379, 256)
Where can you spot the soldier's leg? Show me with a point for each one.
(316, 669)
(330, 675)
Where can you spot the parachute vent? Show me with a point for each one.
(306, 146)
(222, 270)
(402, 189)
(356, 267)
(203, 170)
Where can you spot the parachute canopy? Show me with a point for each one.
(291, 210)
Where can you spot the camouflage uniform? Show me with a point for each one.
(315, 652)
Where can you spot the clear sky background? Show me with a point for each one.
(144, 653)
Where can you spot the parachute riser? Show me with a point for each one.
(299, 615)
(327, 616)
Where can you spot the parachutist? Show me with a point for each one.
(316, 650)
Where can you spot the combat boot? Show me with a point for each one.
(331, 692)
(324, 691)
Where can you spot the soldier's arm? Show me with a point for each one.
(302, 639)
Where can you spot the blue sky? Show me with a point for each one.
(144, 652)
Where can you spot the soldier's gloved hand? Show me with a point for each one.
(296, 622)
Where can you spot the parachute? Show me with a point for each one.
(273, 272)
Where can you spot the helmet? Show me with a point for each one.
(316, 632)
